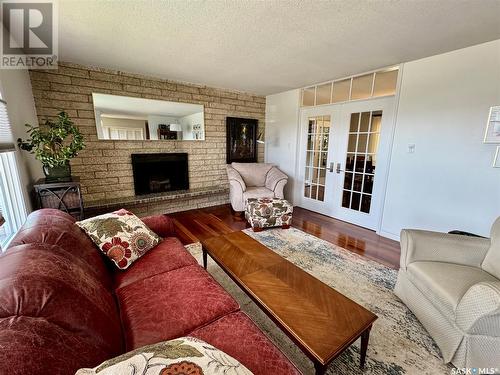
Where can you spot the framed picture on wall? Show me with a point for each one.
(496, 160)
(241, 140)
(492, 134)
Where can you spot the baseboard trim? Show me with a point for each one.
(389, 235)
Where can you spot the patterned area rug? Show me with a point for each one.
(398, 342)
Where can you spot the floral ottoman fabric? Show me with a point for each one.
(185, 355)
(121, 235)
(268, 212)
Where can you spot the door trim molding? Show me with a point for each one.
(389, 157)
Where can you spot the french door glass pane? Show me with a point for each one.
(348, 181)
(351, 146)
(362, 141)
(360, 162)
(364, 124)
(376, 121)
(321, 193)
(366, 202)
(349, 162)
(354, 123)
(316, 157)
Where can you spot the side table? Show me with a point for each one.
(62, 195)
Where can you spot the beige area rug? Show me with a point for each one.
(398, 342)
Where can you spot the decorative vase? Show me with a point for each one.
(57, 173)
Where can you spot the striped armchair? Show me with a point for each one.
(452, 284)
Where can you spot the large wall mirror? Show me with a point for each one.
(137, 119)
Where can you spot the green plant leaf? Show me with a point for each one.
(55, 142)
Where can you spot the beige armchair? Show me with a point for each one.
(254, 180)
(452, 285)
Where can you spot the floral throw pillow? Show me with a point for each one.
(185, 355)
(121, 235)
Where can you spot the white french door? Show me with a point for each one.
(344, 159)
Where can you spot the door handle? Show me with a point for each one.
(338, 170)
(331, 167)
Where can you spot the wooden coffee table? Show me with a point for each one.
(320, 320)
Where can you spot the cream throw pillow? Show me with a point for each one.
(185, 355)
(121, 235)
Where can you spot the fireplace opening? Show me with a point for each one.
(157, 173)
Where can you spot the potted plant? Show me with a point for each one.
(55, 143)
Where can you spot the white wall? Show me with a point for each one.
(282, 111)
(449, 182)
(17, 92)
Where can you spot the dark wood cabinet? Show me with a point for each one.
(65, 196)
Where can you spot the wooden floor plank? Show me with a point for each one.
(203, 223)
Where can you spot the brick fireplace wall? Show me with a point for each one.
(105, 167)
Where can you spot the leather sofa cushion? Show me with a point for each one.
(170, 305)
(162, 225)
(50, 285)
(169, 255)
(445, 283)
(236, 335)
(32, 345)
(54, 227)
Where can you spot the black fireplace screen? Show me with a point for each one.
(156, 173)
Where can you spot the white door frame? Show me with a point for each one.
(334, 111)
(367, 220)
(384, 153)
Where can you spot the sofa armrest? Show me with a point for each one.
(236, 189)
(235, 177)
(421, 245)
(276, 181)
(162, 225)
(478, 312)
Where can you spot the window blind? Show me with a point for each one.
(6, 138)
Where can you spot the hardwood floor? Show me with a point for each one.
(199, 224)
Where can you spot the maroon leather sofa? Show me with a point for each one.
(64, 306)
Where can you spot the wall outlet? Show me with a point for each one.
(411, 148)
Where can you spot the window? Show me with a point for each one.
(361, 160)
(316, 157)
(372, 85)
(12, 205)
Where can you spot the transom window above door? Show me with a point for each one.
(371, 85)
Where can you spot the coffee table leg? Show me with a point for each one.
(319, 368)
(365, 336)
(204, 258)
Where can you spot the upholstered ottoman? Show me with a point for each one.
(268, 212)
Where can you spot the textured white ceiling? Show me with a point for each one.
(267, 46)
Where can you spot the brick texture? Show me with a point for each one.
(105, 166)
